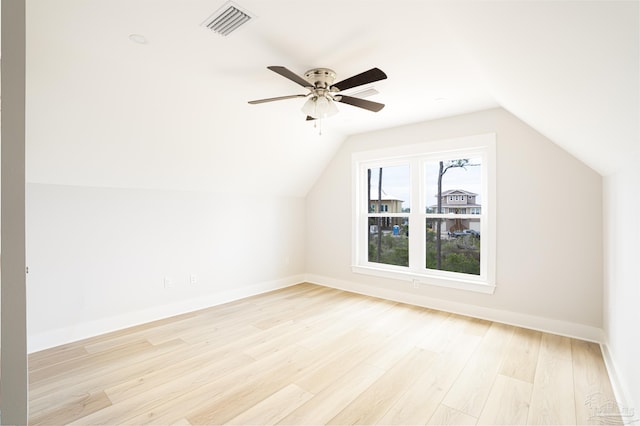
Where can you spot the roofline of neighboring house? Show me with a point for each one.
(385, 197)
(457, 205)
(452, 191)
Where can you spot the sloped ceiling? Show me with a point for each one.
(173, 113)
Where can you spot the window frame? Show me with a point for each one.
(484, 146)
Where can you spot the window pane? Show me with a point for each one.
(393, 195)
(460, 185)
(457, 249)
(388, 240)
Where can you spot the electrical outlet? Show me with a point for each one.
(415, 284)
(168, 282)
(193, 279)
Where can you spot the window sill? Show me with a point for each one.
(418, 279)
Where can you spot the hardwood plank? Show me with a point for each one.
(445, 330)
(477, 327)
(552, 398)
(154, 334)
(170, 374)
(136, 331)
(55, 356)
(522, 355)
(303, 308)
(57, 351)
(470, 391)
(450, 416)
(373, 403)
(400, 339)
(274, 408)
(342, 355)
(554, 345)
(195, 388)
(335, 397)
(424, 396)
(352, 316)
(44, 396)
(508, 402)
(73, 410)
(238, 395)
(80, 365)
(214, 334)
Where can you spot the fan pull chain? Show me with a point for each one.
(315, 125)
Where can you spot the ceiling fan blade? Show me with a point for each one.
(374, 74)
(286, 73)
(279, 98)
(361, 103)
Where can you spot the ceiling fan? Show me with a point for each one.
(324, 93)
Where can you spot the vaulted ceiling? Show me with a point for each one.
(172, 112)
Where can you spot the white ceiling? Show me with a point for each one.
(173, 113)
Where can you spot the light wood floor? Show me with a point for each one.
(314, 355)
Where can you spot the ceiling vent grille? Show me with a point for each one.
(227, 19)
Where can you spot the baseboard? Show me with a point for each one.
(563, 328)
(77, 332)
(629, 415)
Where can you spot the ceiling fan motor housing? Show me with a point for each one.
(321, 78)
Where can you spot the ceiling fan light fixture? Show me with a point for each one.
(332, 109)
(319, 107)
(309, 107)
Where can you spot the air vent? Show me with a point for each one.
(227, 19)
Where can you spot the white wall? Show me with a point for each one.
(549, 232)
(622, 281)
(97, 257)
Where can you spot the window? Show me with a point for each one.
(389, 244)
(413, 236)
